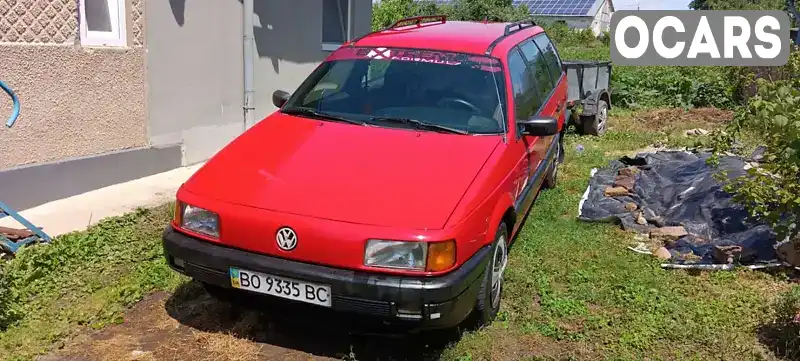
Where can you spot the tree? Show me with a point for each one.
(386, 12)
(738, 4)
(491, 10)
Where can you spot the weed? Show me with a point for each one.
(82, 279)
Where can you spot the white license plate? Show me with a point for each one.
(281, 287)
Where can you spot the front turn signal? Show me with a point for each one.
(178, 216)
(441, 256)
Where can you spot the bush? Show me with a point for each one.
(662, 86)
(771, 191)
(386, 12)
(9, 313)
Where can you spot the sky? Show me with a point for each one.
(652, 4)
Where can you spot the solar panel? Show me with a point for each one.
(557, 7)
(547, 7)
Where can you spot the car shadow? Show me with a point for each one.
(304, 328)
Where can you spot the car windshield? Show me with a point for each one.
(388, 87)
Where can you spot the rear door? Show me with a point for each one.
(544, 70)
(548, 104)
(526, 102)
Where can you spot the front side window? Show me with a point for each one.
(405, 87)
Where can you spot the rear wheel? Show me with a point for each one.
(597, 124)
(488, 303)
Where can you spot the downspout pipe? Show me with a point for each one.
(350, 22)
(248, 49)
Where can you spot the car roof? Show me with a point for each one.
(452, 36)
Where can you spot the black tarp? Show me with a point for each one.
(678, 188)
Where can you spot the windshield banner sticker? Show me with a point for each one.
(417, 55)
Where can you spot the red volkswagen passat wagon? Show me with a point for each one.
(391, 182)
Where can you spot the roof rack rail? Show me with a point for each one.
(522, 24)
(419, 20)
(510, 29)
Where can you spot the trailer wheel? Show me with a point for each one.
(597, 123)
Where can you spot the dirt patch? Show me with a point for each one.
(149, 333)
(666, 117)
(191, 325)
(672, 119)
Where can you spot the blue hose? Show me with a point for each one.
(15, 100)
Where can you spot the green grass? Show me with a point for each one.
(83, 280)
(573, 291)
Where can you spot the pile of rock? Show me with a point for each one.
(662, 237)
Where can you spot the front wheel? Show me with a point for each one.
(488, 303)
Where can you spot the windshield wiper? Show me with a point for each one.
(311, 113)
(420, 124)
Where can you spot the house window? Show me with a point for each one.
(102, 22)
(336, 15)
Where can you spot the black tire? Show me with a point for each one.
(551, 178)
(488, 303)
(598, 123)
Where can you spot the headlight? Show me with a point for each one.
(420, 256)
(395, 254)
(199, 220)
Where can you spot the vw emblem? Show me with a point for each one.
(286, 238)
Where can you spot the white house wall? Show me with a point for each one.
(599, 23)
(602, 20)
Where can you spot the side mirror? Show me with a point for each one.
(539, 126)
(279, 98)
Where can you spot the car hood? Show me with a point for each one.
(344, 172)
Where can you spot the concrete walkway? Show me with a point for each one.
(78, 212)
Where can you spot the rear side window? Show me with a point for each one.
(538, 65)
(550, 55)
(526, 98)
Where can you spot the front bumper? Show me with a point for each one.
(417, 302)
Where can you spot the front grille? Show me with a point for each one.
(206, 274)
(375, 308)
